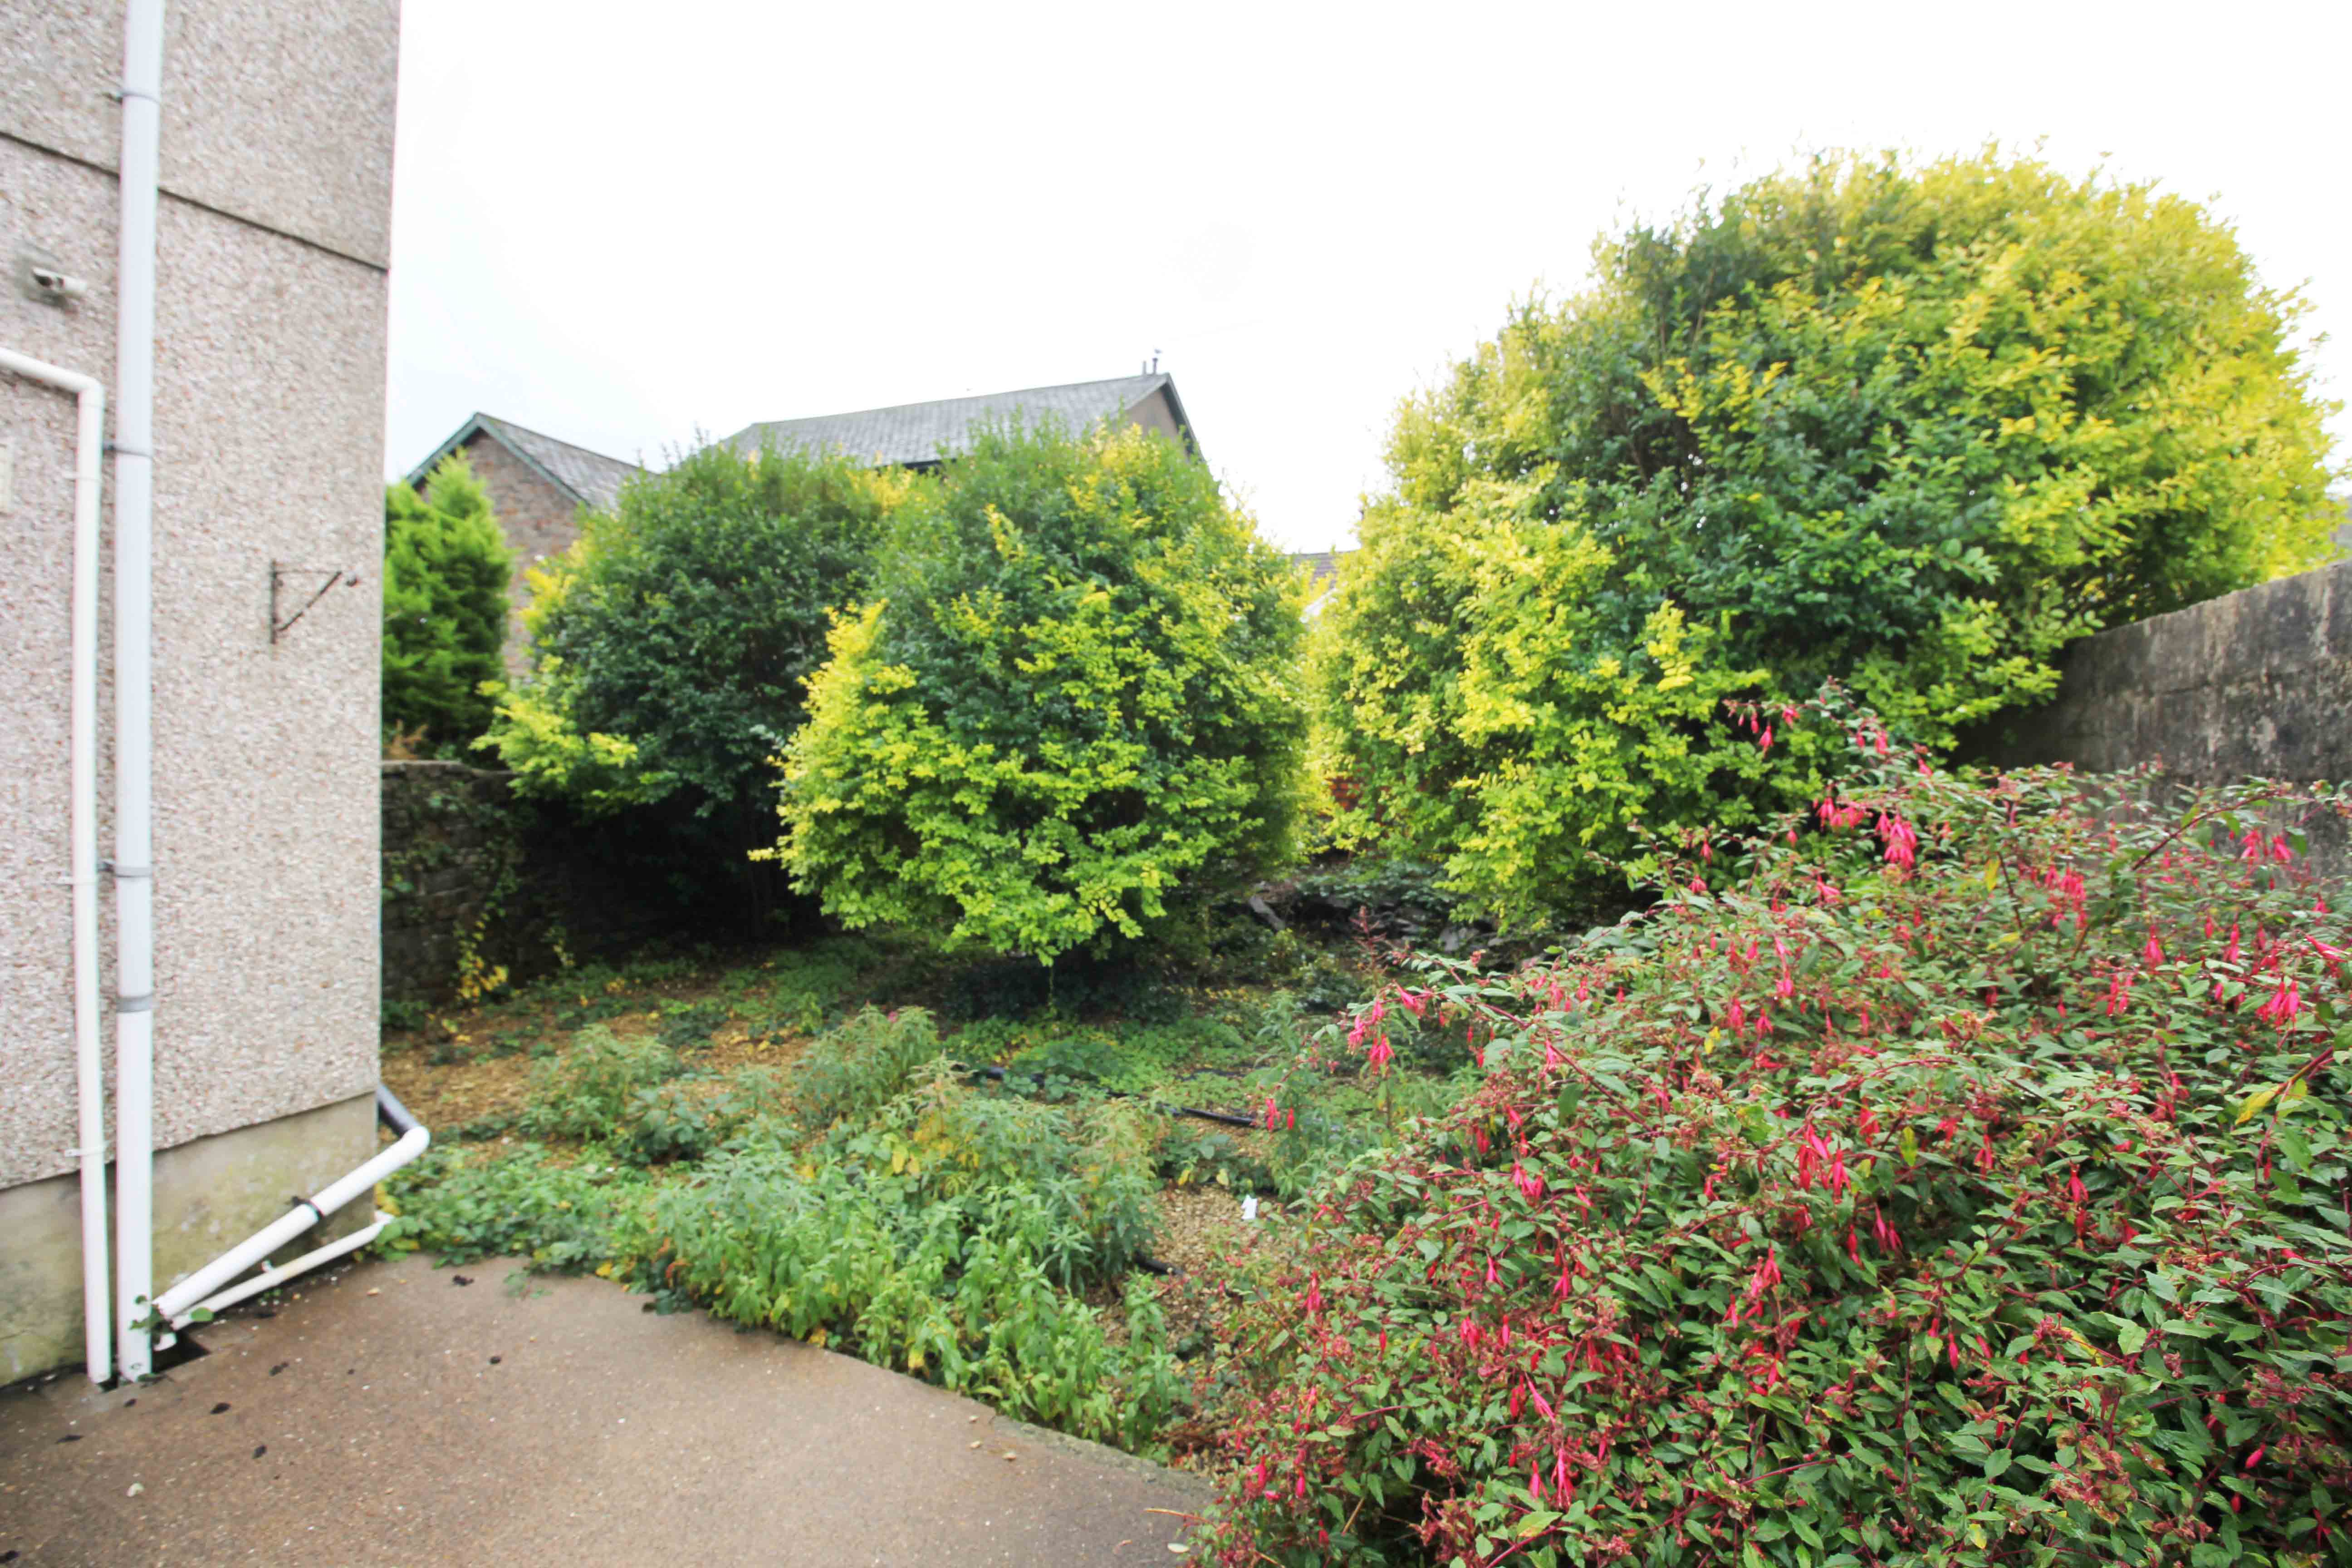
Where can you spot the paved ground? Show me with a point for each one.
(391, 1416)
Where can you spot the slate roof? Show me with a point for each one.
(589, 477)
(913, 435)
(1322, 565)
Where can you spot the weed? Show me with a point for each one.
(588, 1091)
(689, 1027)
(858, 1068)
(466, 1204)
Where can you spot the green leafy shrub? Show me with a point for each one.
(445, 570)
(688, 1026)
(854, 1070)
(672, 645)
(587, 1090)
(1073, 695)
(690, 1119)
(1911, 428)
(1965, 1181)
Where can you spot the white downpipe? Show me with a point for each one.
(134, 849)
(271, 1279)
(183, 1298)
(89, 1080)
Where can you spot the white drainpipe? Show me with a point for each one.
(137, 1320)
(89, 441)
(134, 852)
(196, 1290)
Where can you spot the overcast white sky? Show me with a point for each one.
(622, 222)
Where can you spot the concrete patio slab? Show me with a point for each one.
(391, 1415)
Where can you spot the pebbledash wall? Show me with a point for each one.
(2256, 683)
(273, 245)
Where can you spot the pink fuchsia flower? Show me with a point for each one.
(1380, 1054)
(1767, 1275)
(2229, 955)
(2285, 1003)
(1901, 840)
(2153, 952)
(1530, 1184)
(1765, 746)
(2119, 987)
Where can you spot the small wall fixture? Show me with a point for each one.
(39, 277)
(328, 578)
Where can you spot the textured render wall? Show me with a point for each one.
(537, 520)
(270, 360)
(2257, 683)
(209, 1194)
(277, 111)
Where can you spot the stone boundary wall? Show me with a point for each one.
(2258, 683)
(468, 867)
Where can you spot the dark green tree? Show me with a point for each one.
(672, 645)
(446, 574)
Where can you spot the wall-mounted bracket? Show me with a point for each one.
(283, 572)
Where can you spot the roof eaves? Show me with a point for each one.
(418, 475)
(495, 428)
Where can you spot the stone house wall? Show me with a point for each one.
(539, 519)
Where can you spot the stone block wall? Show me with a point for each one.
(474, 877)
(2255, 683)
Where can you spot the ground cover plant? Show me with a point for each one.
(1912, 428)
(1956, 1173)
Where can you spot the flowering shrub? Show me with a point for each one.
(1962, 1180)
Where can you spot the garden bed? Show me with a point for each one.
(843, 1139)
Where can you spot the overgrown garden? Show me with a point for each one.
(1699, 1115)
